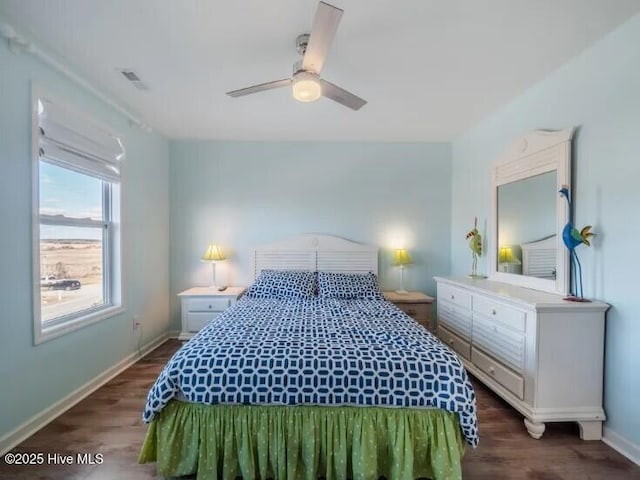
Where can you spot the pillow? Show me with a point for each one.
(283, 284)
(348, 286)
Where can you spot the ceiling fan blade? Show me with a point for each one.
(324, 27)
(341, 96)
(260, 88)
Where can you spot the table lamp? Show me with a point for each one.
(506, 258)
(401, 259)
(213, 254)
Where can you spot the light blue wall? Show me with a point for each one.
(34, 377)
(598, 91)
(246, 194)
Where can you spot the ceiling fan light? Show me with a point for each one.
(306, 87)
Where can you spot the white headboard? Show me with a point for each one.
(313, 252)
(539, 258)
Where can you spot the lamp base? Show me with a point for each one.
(573, 298)
(471, 275)
(402, 292)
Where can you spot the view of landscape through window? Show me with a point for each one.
(71, 256)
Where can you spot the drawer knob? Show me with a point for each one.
(210, 307)
(451, 341)
(492, 370)
(493, 312)
(411, 312)
(453, 297)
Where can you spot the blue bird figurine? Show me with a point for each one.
(572, 238)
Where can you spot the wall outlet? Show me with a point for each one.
(136, 322)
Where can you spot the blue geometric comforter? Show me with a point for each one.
(317, 352)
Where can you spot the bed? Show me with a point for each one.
(311, 375)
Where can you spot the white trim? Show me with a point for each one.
(622, 445)
(533, 154)
(72, 222)
(35, 216)
(41, 419)
(114, 276)
(46, 333)
(173, 334)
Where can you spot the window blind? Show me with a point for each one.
(71, 141)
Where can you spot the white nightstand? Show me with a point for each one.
(200, 305)
(415, 304)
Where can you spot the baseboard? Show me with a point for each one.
(38, 421)
(173, 333)
(621, 445)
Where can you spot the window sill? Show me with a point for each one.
(44, 334)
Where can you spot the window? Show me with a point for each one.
(77, 270)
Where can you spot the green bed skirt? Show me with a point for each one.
(303, 442)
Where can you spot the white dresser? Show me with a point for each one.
(542, 354)
(200, 305)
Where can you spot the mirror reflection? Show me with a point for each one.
(527, 226)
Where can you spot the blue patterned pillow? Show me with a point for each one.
(347, 286)
(283, 284)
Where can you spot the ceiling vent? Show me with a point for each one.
(133, 77)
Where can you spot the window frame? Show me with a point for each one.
(111, 224)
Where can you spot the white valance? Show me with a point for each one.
(70, 140)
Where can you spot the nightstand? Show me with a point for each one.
(200, 305)
(415, 304)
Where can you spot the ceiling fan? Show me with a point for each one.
(306, 82)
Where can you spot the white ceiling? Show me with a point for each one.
(430, 69)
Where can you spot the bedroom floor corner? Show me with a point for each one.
(108, 422)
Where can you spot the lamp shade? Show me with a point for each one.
(213, 253)
(401, 257)
(506, 256)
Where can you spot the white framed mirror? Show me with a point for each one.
(528, 213)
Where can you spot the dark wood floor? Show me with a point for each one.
(108, 423)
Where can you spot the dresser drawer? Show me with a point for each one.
(503, 343)
(207, 304)
(505, 377)
(455, 318)
(197, 320)
(461, 347)
(454, 295)
(499, 311)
